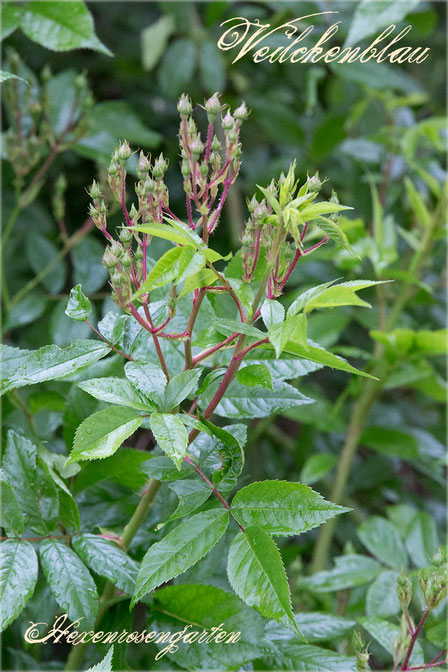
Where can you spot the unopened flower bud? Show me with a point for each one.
(252, 204)
(138, 253)
(109, 259)
(95, 191)
(203, 169)
(93, 212)
(440, 557)
(143, 166)
(184, 106)
(196, 148)
(117, 278)
(192, 129)
(314, 184)
(185, 168)
(126, 261)
(241, 113)
(232, 136)
(228, 122)
(124, 153)
(212, 107)
(149, 186)
(216, 145)
(133, 212)
(404, 591)
(103, 208)
(113, 169)
(116, 248)
(160, 167)
(125, 235)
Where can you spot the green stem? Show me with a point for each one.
(76, 656)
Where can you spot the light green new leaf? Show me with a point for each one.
(273, 202)
(179, 550)
(257, 575)
(272, 313)
(315, 210)
(78, 307)
(116, 391)
(10, 18)
(61, 27)
(383, 541)
(70, 581)
(190, 263)
(417, 203)
(164, 271)
(32, 483)
(18, 576)
(102, 433)
(27, 367)
(171, 436)
(316, 467)
(106, 559)
(104, 665)
(229, 327)
(349, 571)
(180, 387)
(282, 508)
(148, 378)
(335, 232)
(317, 354)
(255, 375)
(204, 278)
(299, 304)
(191, 493)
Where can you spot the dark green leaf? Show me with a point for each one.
(382, 539)
(10, 514)
(70, 581)
(179, 550)
(255, 375)
(382, 599)
(116, 391)
(171, 436)
(191, 493)
(18, 576)
(177, 67)
(421, 539)
(106, 559)
(350, 570)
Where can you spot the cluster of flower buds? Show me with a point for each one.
(434, 581)
(276, 226)
(208, 165)
(28, 104)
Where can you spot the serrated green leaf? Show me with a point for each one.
(229, 327)
(256, 574)
(27, 367)
(102, 433)
(165, 270)
(314, 626)
(273, 202)
(314, 210)
(31, 481)
(191, 493)
(255, 375)
(231, 454)
(298, 304)
(78, 307)
(148, 378)
(349, 571)
(125, 467)
(104, 665)
(315, 658)
(245, 402)
(282, 508)
(116, 391)
(106, 559)
(204, 278)
(382, 539)
(283, 368)
(272, 313)
(180, 387)
(179, 550)
(18, 576)
(190, 263)
(334, 232)
(70, 581)
(317, 354)
(61, 27)
(171, 436)
(10, 514)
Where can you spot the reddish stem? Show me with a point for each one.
(131, 359)
(254, 345)
(296, 258)
(190, 215)
(321, 242)
(123, 197)
(215, 348)
(209, 141)
(414, 639)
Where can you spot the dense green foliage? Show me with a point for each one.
(200, 336)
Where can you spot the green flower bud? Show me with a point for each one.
(404, 591)
(109, 258)
(103, 208)
(160, 167)
(133, 212)
(232, 136)
(192, 129)
(216, 145)
(440, 557)
(124, 153)
(196, 148)
(149, 186)
(143, 166)
(184, 106)
(125, 235)
(185, 168)
(116, 278)
(252, 204)
(212, 107)
(116, 248)
(138, 253)
(203, 169)
(113, 169)
(95, 191)
(314, 184)
(93, 212)
(126, 261)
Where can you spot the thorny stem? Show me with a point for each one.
(109, 343)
